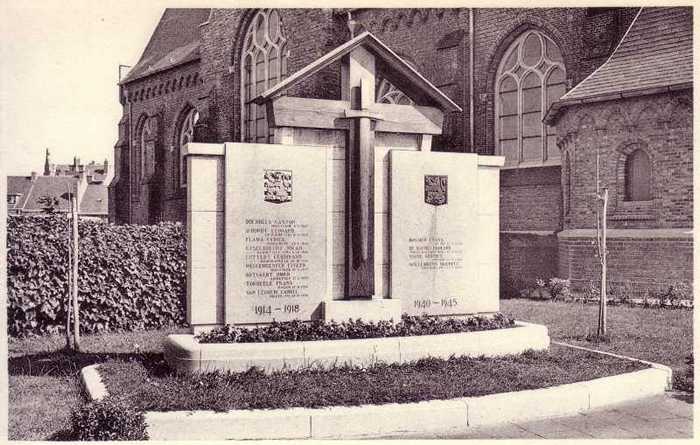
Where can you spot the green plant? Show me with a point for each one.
(332, 330)
(130, 277)
(108, 419)
(592, 292)
(559, 288)
(674, 294)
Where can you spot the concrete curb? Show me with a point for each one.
(664, 368)
(92, 382)
(422, 417)
(185, 354)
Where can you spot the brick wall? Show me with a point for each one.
(659, 124)
(166, 95)
(526, 257)
(651, 262)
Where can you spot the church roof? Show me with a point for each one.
(655, 55)
(175, 41)
(397, 71)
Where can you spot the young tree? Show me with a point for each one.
(601, 244)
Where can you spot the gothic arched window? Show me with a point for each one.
(638, 176)
(531, 76)
(263, 64)
(387, 93)
(185, 135)
(567, 184)
(147, 154)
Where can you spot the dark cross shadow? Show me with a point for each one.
(64, 362)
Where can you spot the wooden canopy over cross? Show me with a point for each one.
(358, 113)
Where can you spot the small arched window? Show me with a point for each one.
(531, 76)
(567, 184)
(638, 176)
(263, 65)
(185, 135)
(147, 145)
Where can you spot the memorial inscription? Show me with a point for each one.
(276, 264)
(277, 261)
(433, 268)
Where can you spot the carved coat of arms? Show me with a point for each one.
(435, 189)
(278, 186)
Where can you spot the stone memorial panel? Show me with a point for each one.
(275, 232)
(435, 231)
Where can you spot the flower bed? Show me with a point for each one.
(151, 386)
(353, 329)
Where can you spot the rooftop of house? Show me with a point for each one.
(94, 200)
(175, 41)
(96, 173)
(655, 55)
(34, 188)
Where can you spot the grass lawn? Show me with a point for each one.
(151, 386)
(659, 335)
(44, 383)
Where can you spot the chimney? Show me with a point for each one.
(47, 165)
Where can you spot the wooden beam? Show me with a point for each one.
(331, 115)
(369, 42)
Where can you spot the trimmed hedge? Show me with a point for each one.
(130, 277)
(410, 325)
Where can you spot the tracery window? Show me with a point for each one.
(531, 76)
(638, 176)
(185, 135)
(387, 93)
(264, 64)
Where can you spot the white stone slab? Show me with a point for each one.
(435, 252)
(276, 265)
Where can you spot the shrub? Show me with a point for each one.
(130, 277)
(321, 330)
(108, 419)
(674, 294)
(559, 288)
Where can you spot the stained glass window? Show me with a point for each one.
(530, 78)
(185, 135)
(264, 64)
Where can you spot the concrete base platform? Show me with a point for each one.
(368, 310)
(184, 353)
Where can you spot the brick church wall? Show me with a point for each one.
(650, 242)
(650, 263)
(437, 42)
(167, 95)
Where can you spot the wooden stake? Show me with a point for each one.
(76, 320)
(604, 266)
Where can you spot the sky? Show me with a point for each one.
(59, 74)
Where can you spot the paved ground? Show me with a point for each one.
(665, 416)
